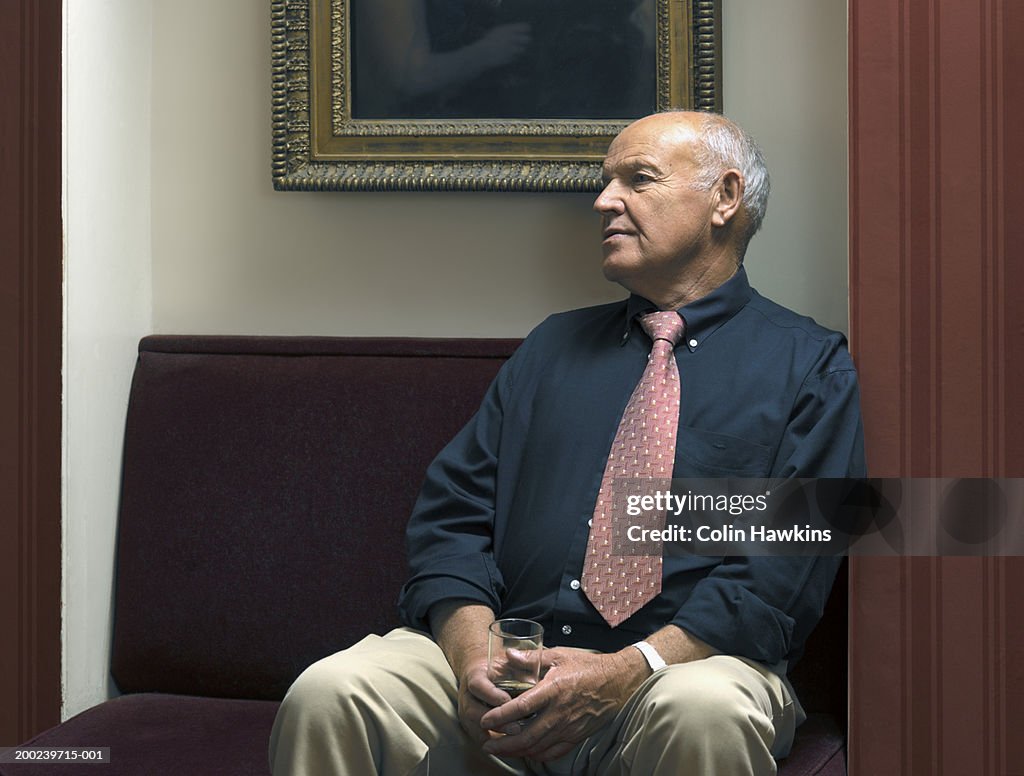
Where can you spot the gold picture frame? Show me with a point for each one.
(318, 145)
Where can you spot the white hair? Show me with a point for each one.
(723, 144)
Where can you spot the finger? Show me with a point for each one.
(526, 705)
(474, 709)
(515, 728)
(470, 704)
(483, 689)
(506, 714)
(551, 655)
(537, 735)
(525, 658)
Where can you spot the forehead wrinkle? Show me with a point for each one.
(630, 161)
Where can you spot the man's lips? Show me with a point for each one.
(611, 232)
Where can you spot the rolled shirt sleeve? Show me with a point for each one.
(450, 534)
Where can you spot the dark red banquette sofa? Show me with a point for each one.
(266, 484)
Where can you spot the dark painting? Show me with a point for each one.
(512, 59)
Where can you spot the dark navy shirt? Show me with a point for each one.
(503, 517)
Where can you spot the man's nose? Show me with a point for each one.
(608, 201)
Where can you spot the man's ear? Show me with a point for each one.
(728, 197)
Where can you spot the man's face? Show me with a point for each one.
(654, 222)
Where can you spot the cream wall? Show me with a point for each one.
(785, 81)
(107, 300)
(232, 255)
(227, 254)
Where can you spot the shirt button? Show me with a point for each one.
(575, 584)
(566, 630)
(590, 522)
(693, 343)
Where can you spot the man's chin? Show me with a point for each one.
(614, 269)
(624, 274)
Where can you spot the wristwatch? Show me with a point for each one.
(654, 660)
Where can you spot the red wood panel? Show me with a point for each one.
(936, 107)
(1009, 232)
(30, 362)
(1007, 414)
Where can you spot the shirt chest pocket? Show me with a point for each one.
(701, 453)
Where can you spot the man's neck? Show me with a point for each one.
(699, 282)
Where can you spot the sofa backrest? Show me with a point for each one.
(266, 486)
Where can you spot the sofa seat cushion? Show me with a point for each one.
(819, 749)
(164, 735)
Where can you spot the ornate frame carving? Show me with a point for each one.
(318, 146)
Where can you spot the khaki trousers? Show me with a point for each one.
(388, 705)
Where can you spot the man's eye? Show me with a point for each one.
(641, 178)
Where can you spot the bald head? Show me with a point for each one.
(673, 127)
(716, 145)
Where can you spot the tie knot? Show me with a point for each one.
(665, 325)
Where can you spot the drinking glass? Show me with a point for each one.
(515, 674)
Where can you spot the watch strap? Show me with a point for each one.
(654, 660)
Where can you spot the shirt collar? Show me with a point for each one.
(703, 316)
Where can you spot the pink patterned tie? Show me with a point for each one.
(617, 581)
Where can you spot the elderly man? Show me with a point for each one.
(686, 675)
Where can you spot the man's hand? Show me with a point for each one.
(580, 693)
(477, 696)
(460, 628)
